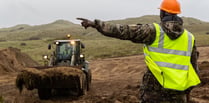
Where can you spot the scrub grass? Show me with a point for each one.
(34, 40)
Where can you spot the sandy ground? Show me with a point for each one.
(115, 80)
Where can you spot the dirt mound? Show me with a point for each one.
(13, 60)
(57, 77)
(200, 94)
(204, 73)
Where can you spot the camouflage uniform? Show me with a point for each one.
(151, 90)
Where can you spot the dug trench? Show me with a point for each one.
(115, 80)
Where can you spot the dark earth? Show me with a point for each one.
(115, 80)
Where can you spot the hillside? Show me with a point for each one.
(36, 38)
(60, 28)
(192, 24)
(55, 29)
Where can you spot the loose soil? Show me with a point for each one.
(115, 80)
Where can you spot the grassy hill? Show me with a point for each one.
(36, 38)
(194, 25)
(60, 28)
(56, 29)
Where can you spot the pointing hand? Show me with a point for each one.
(86, 23)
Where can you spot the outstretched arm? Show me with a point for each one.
(136, 33)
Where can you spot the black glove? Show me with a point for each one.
(86, 23)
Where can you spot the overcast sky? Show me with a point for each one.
(36, 12)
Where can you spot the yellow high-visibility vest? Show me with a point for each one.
(170, 60)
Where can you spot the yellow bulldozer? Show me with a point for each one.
(65, 71)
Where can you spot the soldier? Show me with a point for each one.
(170, 54)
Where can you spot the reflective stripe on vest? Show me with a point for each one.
(174, 66)
(169, 60)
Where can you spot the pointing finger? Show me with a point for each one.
(81, 19)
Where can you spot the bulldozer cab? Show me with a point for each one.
(64, 50)
(68, 52)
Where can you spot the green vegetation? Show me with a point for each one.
(110, 48)
(34, 48)
(94, 48)
(46, 31)
(34, 40)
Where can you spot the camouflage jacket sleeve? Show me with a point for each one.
(136, 33)
(194, 57)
